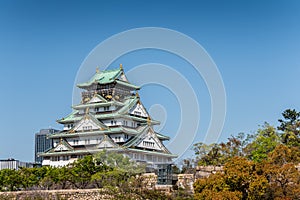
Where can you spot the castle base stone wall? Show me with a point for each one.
(87, 194)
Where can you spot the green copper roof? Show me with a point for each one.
(69, 117)
(72, 118)
(154, 152)
(127, 84)
(81, 106)
(105, 77)
(128, 104)
(119, 129)
(85, 133)
(102, 77)
(91, 151)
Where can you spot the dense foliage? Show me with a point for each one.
(256, 166)
(116, 174)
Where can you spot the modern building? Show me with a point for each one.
(110, 116)
(42, 143)
(14, 164)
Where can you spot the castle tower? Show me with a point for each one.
(110, 116)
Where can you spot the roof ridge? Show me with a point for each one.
(110, 70)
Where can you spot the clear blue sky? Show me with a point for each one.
(255, 44)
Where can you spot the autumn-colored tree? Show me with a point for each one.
(283, 177)
(219, 154)
(214, 187)
(240, 180)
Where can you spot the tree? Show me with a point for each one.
(29, 177)
(187, 166)
(10, 179)
(264, 142)
(214, 187)
(218, 154)
(82, 170)
(119, 161)
(240, 180)
(207, 154)
(116, 168)
(235, 146)
(283, 177)
(290, 127)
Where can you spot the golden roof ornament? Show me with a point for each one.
(148, 121)
(108, 96)
(97, 70)
(121, 67)
(87, 110)
(95, 93)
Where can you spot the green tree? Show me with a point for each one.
(290, 127)
(207, 154)
(119, 161)
(29, 177)
(10, 179)
(59, 176)
(264, 142)
(116, 168)
(82, 170)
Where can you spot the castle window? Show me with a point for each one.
(137, 113)
(65, 158)
(85, 128)
(106, 108)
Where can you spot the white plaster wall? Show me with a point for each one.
(122, 137)
(140, 109)
(151, 140)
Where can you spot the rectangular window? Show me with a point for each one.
(106, 108)
(149, 157)
(86, 128)
(137, 113)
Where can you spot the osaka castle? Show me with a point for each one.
(110, 117)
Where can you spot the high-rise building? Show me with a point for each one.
(42, 143)
(110, 116)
